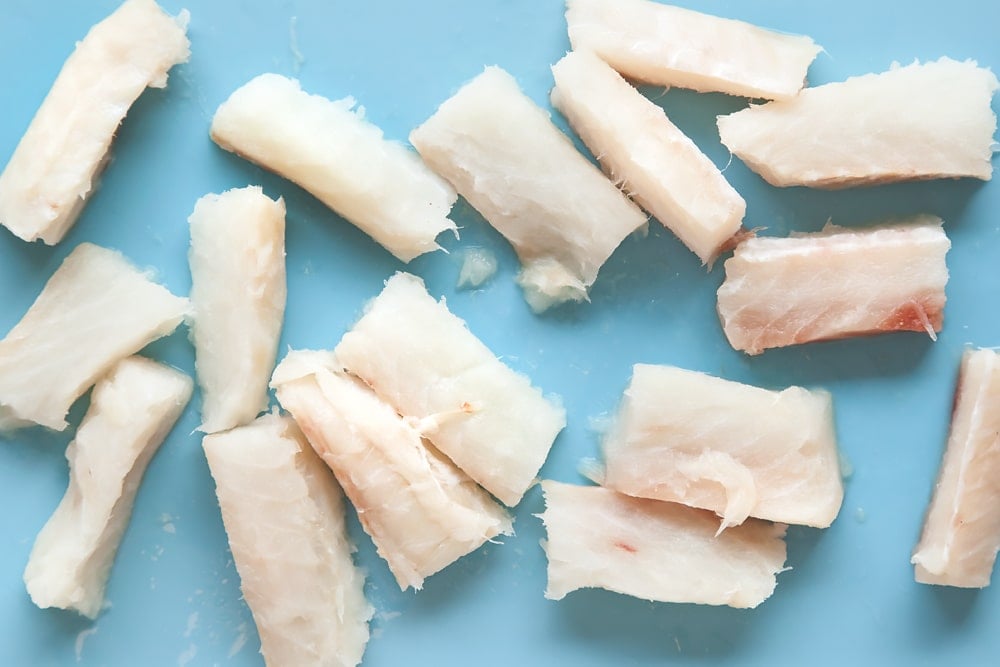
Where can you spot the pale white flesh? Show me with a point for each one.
(422, 512)
(421, 359)
(656, 163)
(835, 284)
(284, 516)
(504, 155)
(238, 297)
(95, 310)
(961, 533)
(738, 450)
(665, 552)
(910, 123)
(131, 411)
(670, 46)
(329, 149)
(53, 170)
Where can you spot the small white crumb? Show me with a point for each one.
(478, 266)
(192, 623)
(81, 637)
(239, 642)
(846, 467)
(187, 655)
(293, 44)
(859, 515)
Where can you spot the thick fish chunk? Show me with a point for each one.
(835, 284)
(732, 448)
(422, 360)
(669, 46)
(504, 155)
(961, 533)
(422, 512)
(284, 516)
(95, 310)
(238, 296)
(329, 149)
(53, 170)
(656, 163)
(131, 412)
(654, 550)
(907, 124)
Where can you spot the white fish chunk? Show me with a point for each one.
(504, 155)
(328, 148)
(961, 533)
(422, 512)
(835, 284)
(238, 296)
(654, 550)
(53, 170)
(131, 412)
(910, 123)
(656, 163)
(670, 46)
(284, 516)
(95, 310)
(738, 450)
(422, 360)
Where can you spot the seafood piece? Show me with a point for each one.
(835, 284)
(504, 155)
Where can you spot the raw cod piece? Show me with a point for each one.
(658, 551)
(284, 516)
(911, 123)
(961, 533)
(422, 512)
(238, 297)
(423, 361)
(656, 163)
(329, 149)
(504, 155)
(131, 412)
(835, 284)
(94, 310)
(53, 170)
(669, 46)
(732, 448)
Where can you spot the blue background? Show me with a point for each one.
(850, 597)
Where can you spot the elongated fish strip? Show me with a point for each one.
(131, 412)
(911, 123)
(961, 533)
(504, 155)
(95, 310)
(422, 512)
(640, 148)
(284, 516)
(653, 550)
(835, 284)
(732, 448)
(53, 170)
(329, 149)
(423, 361)
(238, 296)
(669, 46)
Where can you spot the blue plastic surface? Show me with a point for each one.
(850, 597)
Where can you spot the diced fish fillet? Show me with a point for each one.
(422, 360)
(329, 149)
(131, 412)
(911, 123)
(53, 170)
(422, 512)
(961, 533)
(669, 46)
(238, 297)
(94, 310)
(640, 148)
(835, 284)
(284, 516)
(658, 551)
(504, 155)
(732, 448)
